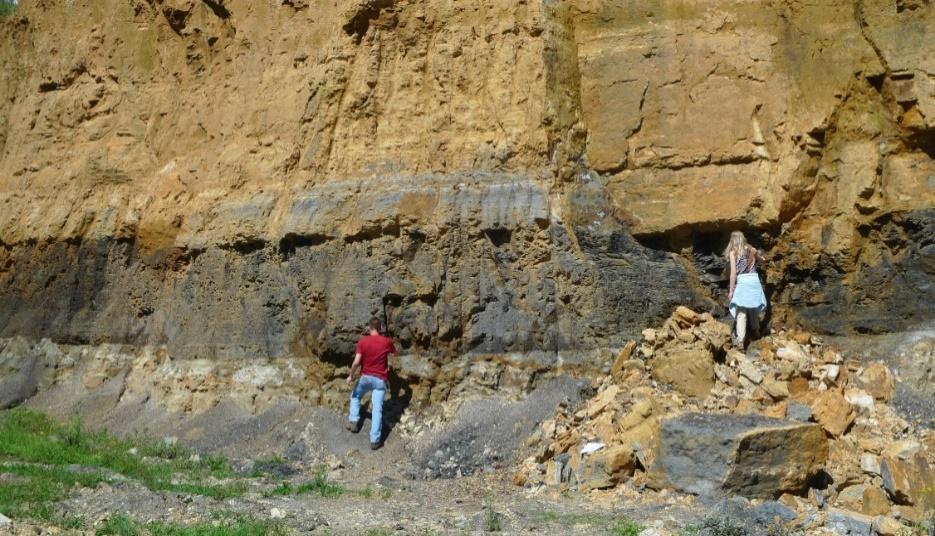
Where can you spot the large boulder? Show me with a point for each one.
(748, 455)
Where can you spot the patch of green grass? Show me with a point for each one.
(39, 488)
(319, 484)
(689, 530)
(30, 437)
(119, 526)
(6, 8)
(231, 526)
(627, 527)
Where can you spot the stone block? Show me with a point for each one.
(689, 368)
(833, 412)
(847, 523)
(748, 455)
(907, 480)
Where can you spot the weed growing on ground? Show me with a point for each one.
(491, 518)
(715, 526)
(231, 526)
(44, 453)
(369, 492)
(319, 484)
(627, 527)
(119, 526)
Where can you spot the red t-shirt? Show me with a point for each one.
(374, 351)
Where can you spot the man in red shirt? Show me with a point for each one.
(371, 358)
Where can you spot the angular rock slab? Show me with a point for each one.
(748, 455)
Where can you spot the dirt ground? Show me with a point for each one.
(453, 477)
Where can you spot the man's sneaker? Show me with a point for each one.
(375, 446)
(354, 427)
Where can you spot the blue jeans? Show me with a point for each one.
(364, 385)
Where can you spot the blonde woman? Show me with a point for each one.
(746, 298)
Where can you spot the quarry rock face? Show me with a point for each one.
(233, 180)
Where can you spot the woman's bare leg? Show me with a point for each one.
(741, 326)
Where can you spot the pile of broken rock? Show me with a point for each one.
(790, 419)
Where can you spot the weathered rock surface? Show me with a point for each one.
(753, 456)
(186, 175)
(908, 480)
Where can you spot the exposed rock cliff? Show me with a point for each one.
(238, 179)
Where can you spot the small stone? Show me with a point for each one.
(909, 514)
(133, 451)
(833, 412)
(874, 502)
(792, 351)
(622, 358)
(887, 526)
(798, 387)
(803, 338)
(685, 316)
(786, 370)
(798, 412)
(194, 458)
(877, 380)
(649, 335)
(277, 513)
(749, 371)
(860, 399)
(776, 411)
(776, 389)
(5, 521)
(816, 497)
(849, 523)
(851, 497)
(869, 464)
(902, 450)
(831, 373)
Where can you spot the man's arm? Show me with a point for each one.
(354, 368)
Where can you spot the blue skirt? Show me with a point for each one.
(748, 294)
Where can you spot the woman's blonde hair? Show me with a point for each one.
(737, 244)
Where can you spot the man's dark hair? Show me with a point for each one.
(375, 324)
